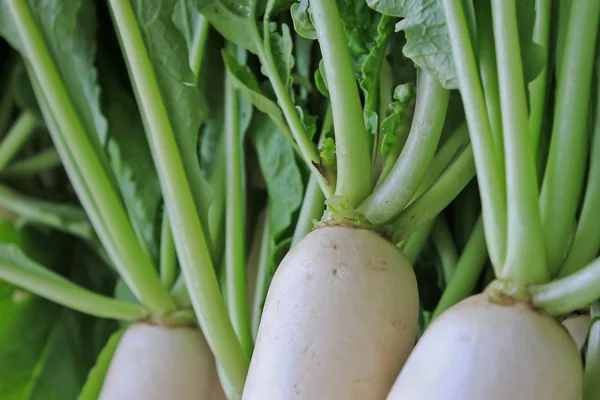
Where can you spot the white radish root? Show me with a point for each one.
(483, 350)
(154, 362)
(339, 321)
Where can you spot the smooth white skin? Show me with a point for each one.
(155, 362)
(339, 321)
(578, 327)
(479, 350)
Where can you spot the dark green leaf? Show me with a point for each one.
(281, 52)
(281, 172)
(23, 91)
(532, 54)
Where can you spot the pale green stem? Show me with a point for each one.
(168, 257)
(354, 180)
(54, 287)
(190, 240)
(525, 255)
(96, 190)
(33, 165)
(16, 137)
(491, 184)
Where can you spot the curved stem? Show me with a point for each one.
(398, 188)
(354, 180)
(168, 257)
(262, 274)
(92, 182)
(467, 272)
(591, 383)
(537, 87)
(586, 241)
(565, 168)
(198, 45)
(306, 147)
(444, 244)
(491, 185)
(235, 246)
(33, 165)
(312, 209)
(524, 261)
(489, 77)
(188, 234)
(434, 200)
(414, 244)
(16, 137)
(54, 287)
(568, 294)
(457, 141)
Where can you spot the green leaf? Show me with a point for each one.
(282, 175)
(69, 31)
(395, 127)
(427, 40)
(130, 159)
(370, 70)
(321, 79)
(303, 20)
(360, 26)
(233, 19)
(166, 48)
(247, 83)
(328, 159)
(95, 380)
(281, 52)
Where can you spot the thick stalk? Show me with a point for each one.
(399, 187)
(33, 165)
(436, 198)
(524, 262)
(565, 168)
(564, 15)
(235, 246)
(354, 180)
(415, 243)
(569, 294)
(537, 87)
(467, 272)
(190, 240)
(54, 287)
(491, 185)
(585, 244)
(591, 383)
(16, 137)
(489, 77)
(445, 246)
(198, 45)
(168, 257)
(93, 184)
(457, 141)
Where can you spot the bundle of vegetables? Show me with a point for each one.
(280, 213)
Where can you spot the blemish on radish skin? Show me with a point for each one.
(334, 272)
(398, 325)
